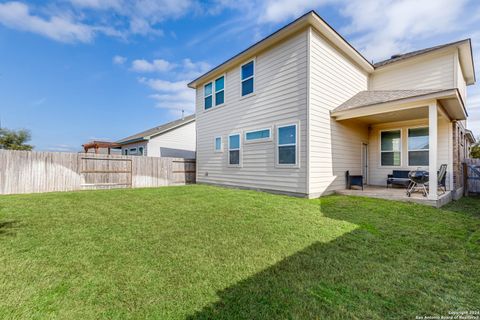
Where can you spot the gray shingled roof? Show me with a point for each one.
(157, 130)
(367, 98)
(415, 53)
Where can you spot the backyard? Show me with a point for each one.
(199, 252)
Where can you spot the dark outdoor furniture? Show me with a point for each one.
(353, 180)
(442, 177)
(418, 182)
(398, 177)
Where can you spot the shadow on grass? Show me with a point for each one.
(7, 228)
(390, 267)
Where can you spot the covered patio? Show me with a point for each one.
(408, 130)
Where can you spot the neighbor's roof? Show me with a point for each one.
(372, 97)
(147, 134)
(311, 18)
(469, 134)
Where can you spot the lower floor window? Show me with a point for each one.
(234, 149)
(287, 145)
(418, 147)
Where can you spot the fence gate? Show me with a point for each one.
(471, 176)
(106, 173)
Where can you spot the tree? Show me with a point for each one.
(475, 150)
(15, 140)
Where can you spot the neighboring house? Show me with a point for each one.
(296, 110)
(174, 139)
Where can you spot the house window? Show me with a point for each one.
(258, 135)
(219, 91)
(132, 151)
(287, 145)
(248, 73)
(207, 91)
(218, 144)
(234, 150)
(140, 151)
(125, 151)
(391, 148)
(418, 147)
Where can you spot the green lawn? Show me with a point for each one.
(201, 252)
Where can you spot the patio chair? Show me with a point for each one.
(350, 180)
(441, 178)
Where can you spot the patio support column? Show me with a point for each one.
(433, 149)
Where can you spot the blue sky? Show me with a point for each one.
(76, 70)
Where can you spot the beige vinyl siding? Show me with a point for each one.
(280, 98)
(433, 71)
(378, 174)
(334, 146)
(180, 138)
(461, 84)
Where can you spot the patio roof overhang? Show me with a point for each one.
(413, 107)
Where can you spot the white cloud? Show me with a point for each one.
(119, 59)
(16, 15)
(281, 10)
(381, 28)
(98, 4)
(173, 96)
(157, 65)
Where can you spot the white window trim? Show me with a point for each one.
(380, 147)
(260, 139)
(215, 105)
(210, 95)
(253, 76)
(408, 147)
(239, 149)
(297, 146)
(215, 144)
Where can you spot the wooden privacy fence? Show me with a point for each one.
(471, 175)
(30, 171)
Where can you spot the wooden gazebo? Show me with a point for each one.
(99, 145)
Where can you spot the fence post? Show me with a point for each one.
(465, 179)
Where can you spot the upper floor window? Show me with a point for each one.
(248, 74)
(418, 147)
(219, 91)
(214, 93)
(287, 145)
(390, 148)
(208, 97)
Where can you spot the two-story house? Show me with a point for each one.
(296, 110)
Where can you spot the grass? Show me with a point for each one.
(201, 252)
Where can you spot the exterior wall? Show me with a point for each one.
(433, 71)
(136, 145)
(460, 80)
(378, 174)
(334, 147)
(280, 98)
(181, 140)
(461, 148)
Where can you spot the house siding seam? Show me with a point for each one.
(280, 98)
